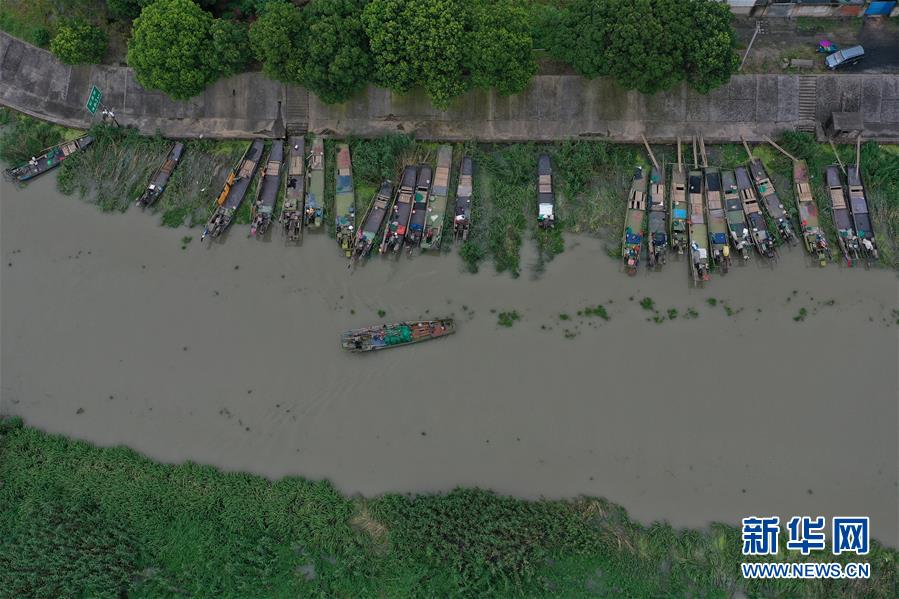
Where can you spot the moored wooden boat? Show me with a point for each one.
(229, 200)
(462, 208)
(267, 193)
(344, 201)
(398, 221)
(632, 240)
(772, 202)
(386, 336)
(371, 223)
(679, 209)
(698, 229)
(314, 212)
(758, 226)
(658, 218)
(546, 197)
(718, 244)
(294, 205)
(161, 177)
(48, 160)
(437, 203)
(736, 220)
(809, 224)
(861, 217)
(416, 228)
(842, 218)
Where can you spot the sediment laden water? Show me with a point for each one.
(228, 354)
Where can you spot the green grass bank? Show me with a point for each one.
(591, 180)
(82, 521)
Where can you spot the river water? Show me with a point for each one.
(228, 355)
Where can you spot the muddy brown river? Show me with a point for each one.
(228, 355)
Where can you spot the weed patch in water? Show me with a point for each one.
(507, 319)
(647, 303)
(691, 314)
(598, 310)
(672, 313)
(381, 313)
(712, 302)
(801, 315)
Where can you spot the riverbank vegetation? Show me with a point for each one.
(591, 179)
(76, 520)
(336, 47)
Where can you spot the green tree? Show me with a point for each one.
(79, 42)
(275, 38)
(648, 45)
(335, 61)
(499, 48)
(322, 46)
(387, 27)
(179, 48)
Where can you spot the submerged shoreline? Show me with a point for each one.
(228, 355)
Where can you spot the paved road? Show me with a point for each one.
(553, 107)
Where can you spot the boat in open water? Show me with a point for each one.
(48, 160)
(161, 177)
(772, 202)
(699, 230)
(462, 208)
(546, 196)
(718, 231)
(314, 212)
(398, 221)
(809, 223)
(861, 217)
(758, 226)
(267, 193)
(842, 218)
(679, 208)
(344, 201)
(236, 185)
(437, 202)
(385, 336)
(658, 218)
(292, 209)
(736, 220)
(415, 230)
(372, 222)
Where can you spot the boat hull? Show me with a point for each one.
(388, 336)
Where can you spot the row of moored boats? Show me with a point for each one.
(712, 213)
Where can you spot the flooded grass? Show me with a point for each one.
(120, 511)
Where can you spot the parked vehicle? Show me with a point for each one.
(845, 58)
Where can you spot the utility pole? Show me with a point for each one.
(748, 48)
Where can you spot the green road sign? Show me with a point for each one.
(93, 101)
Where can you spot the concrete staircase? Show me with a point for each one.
(808, 102)
(297, 109)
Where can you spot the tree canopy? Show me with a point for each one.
(648, 45)
(448, 46)
(322, 46)
(78, 43)
(178, 48)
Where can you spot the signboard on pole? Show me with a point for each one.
(93, 101)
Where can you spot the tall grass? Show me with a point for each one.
(79, 521)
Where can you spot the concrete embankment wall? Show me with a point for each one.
(553, 107)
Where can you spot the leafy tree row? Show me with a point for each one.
(336, 47)
(446, 47)
(648, 45)
(179, 48)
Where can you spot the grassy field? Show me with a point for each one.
(80, 521)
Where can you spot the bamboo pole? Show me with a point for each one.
(840, 162)
(746, 145)
(858, 154)
(680, 159)
(784, 152)
(695, 156)
(651, 155)
(705, 160)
